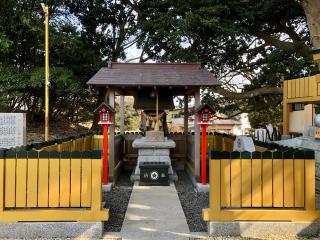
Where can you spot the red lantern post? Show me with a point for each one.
(105, 155)
(204, 155)
(105, 111)
(204, 115)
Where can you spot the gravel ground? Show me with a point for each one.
(192, 203)
(117, 201)
(266, 238)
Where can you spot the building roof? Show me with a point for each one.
(153, 74)
(205, 106)
(226, 122)
(103, 106)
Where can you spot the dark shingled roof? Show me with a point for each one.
(154, 74)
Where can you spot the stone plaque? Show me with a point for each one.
(243, 143)
(12, 130)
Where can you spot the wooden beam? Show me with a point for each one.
(315, 100)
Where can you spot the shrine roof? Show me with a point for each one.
(154, 74)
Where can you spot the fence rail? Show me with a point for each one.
(51, 186)
(268, 186)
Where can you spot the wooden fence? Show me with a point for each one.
(84, 143)
(51, 186)
(268, 186)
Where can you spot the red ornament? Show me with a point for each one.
(105, 113)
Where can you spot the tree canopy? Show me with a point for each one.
(250, 45)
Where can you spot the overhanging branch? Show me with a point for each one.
(255, 107)
(250, 94)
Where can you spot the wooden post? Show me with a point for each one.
(215, 185)
(204, 155)
(286, 109)
(105, 155)
(96, 192)
(185, 126)
(196, 136)
(310, 184)
(122, 114)
(186, 113)
(111, 95)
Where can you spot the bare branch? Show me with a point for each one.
(133, 5)
(273, 41)
(254, 107)
(250, 94)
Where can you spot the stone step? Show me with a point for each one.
(153, 235)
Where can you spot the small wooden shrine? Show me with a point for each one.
(150, 83)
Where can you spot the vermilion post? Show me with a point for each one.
(105, 155)
(204, 155)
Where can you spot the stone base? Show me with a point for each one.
(202, 188)
(137, 169)
(34, 230)
(263, 229)
(155, 235)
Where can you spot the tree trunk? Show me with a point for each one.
(312, 11)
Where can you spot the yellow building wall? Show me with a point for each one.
(299, 119)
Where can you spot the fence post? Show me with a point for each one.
(215, 147)
(1, 181)
(96, 194)
(73, 145)
(310, 182)
(223, 144)
(215, 183)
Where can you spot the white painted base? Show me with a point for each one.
(202, 188)
(263, 229)
(107, 188)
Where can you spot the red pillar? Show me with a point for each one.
(204, 155)
(105, 155)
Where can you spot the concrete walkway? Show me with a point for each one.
(154, 212)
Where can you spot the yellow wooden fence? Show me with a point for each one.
(269, 186)
(51, 186)
(223, 142)
(79, 144)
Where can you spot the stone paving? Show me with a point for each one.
(154, 212)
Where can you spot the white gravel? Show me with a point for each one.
(192, 203)
(117, 201)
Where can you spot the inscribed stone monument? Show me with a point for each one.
(12, 130)
(243, 143)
